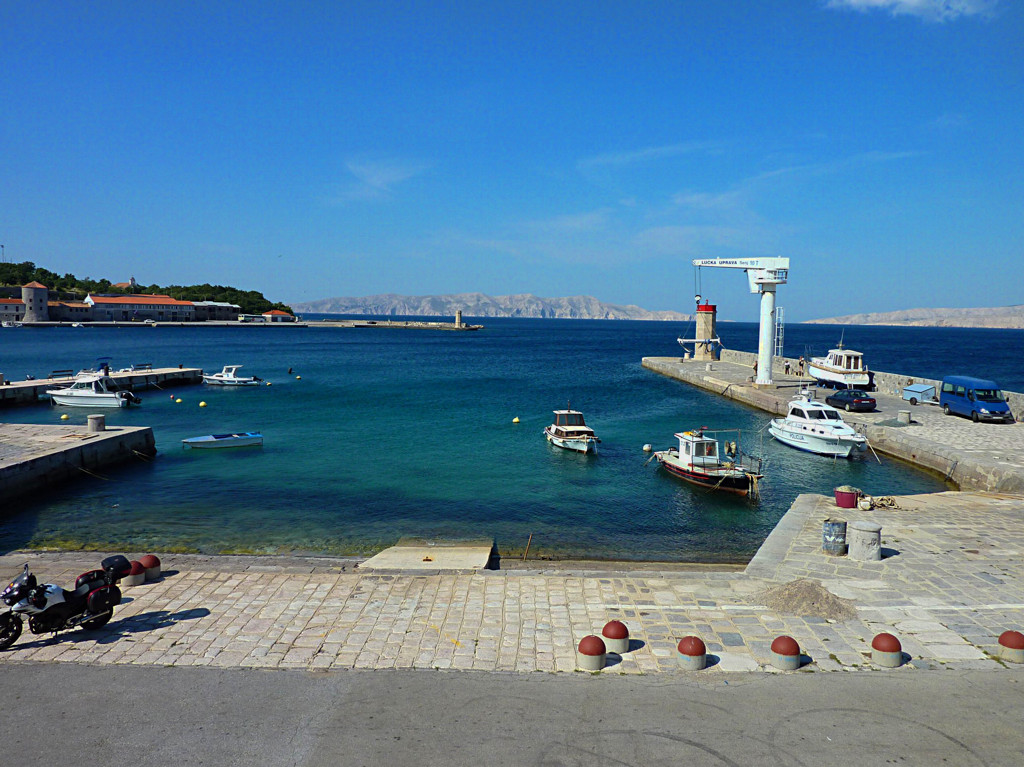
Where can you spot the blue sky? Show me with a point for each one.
(312, 149)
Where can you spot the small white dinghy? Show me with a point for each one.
(240, 439)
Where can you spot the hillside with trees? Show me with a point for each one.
(251, 301)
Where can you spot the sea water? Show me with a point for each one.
(371, 435)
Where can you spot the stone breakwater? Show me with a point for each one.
(974, 456)
(887, 383)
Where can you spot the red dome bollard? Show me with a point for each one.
(616, 636)
(691, 654)
(590, 653)
(136, 575)
(785, 653)
(1011, 646)
(152, 564)
(886, 651)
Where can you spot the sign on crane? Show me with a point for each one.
(764, 276)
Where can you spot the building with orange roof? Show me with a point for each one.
(140, 307)
(276, 315)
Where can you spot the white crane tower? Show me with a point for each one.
(764, 275)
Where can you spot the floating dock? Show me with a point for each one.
(34, 391)
(40, 455)
(973, 456)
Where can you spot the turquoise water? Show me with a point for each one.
(393, 433)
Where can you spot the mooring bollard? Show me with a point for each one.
(865, 541)
(785, 653)
(616, 637)
(136, 576)
(590, 653)
(833, 537)
(152, 564)
(886, 651)
(97, 423)
(691, 653)
(903, 416)
(1011, 646)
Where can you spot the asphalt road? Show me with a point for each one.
(62, 713)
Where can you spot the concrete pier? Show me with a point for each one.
(458, 325)
(34, 391)
(974, 456)
(39, 455)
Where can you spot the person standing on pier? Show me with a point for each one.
(800, 365)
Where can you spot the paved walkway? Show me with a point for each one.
(952, 581)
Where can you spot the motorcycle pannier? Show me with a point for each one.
(90, 580)
(102, 599)
(118, 565)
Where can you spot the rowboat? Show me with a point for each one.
(239, 439)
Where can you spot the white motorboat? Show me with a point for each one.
(570, 432)
(717, 464)
(93, 391)
(11, 324)
(844, 368)
(229, 377)
(817, 428)
(239, 439)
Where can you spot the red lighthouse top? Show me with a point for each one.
(706, 307)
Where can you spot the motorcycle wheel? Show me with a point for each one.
(10, 630)
(98, 622)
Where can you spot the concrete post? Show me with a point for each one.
(766, 336)
(903, 416)
(865, 541)
(97, 423)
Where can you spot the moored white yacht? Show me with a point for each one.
(229, 377)
(93, 391)
(817, 428)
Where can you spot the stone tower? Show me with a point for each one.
(35, 295)
(706, 346)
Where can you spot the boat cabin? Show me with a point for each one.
(810, 410)
(569, 423)
(846, 360)
(696, 448)
(569, 418)
(95, 384)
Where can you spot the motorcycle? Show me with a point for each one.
(50, 609)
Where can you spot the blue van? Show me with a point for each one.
(976, 398)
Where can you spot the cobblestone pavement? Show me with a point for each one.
(951, 581)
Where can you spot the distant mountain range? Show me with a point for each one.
(481, 305)
(991, 317)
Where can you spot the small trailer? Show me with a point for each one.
(920, 393)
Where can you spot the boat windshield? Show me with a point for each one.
(823, 415)
(989, 395)
(570, 419)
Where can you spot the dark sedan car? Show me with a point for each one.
(851, 399)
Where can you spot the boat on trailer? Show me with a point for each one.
(709, 459)
(237, 439)
(569, 431)
(841, 368)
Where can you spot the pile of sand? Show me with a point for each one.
(806, 597)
